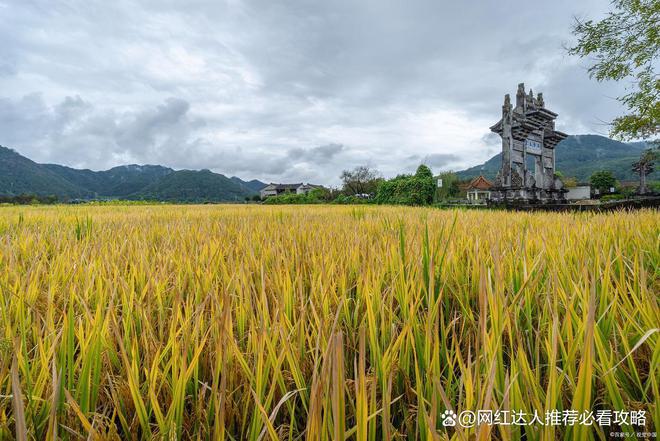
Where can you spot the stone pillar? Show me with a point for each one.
(507, 141)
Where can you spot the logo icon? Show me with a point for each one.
(448, 418)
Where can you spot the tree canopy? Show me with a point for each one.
(602, 180)
(417, 189)
(360, 180)
(450, 188)
(626, 45)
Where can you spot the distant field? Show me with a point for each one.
(320, 323)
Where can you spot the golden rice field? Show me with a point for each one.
(323, 322)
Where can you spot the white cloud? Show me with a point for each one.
(282, 90)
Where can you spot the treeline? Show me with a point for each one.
(28, 199)
(365, 185)
(35, 199)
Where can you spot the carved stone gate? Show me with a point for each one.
(529, 139)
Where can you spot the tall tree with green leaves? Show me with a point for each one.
(602, 180)
(625, 45)
(449, 187)
(417, 189)
(360, 180)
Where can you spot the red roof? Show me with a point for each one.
(480, 183)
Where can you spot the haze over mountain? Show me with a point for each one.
(579, 156)
(19, 175)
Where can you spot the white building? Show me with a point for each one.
(578, 193)
(277, 189)
(306, 188)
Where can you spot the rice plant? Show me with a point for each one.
(323, 323)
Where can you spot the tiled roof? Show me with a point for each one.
(480, 183)
(272, 186)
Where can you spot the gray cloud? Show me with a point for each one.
(440, 160)
(491, 138)
(283, 90)
(316, 154)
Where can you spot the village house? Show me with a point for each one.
(478, 191)
(277, 189)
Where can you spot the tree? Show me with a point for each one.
(626, 45)
(454, 189)
(450, 188)
(424, 185)
(360, 180)
(645, 167)
(602, 180)
(417, 189)
(424, 172)
(567, 181)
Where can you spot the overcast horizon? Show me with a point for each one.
(285, 91)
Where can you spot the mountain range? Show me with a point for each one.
(20, 175)
(579, 156)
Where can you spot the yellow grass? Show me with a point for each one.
(366, 323)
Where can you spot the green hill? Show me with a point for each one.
(194, 186)
(254, 185)
(128, 179)
(579, 156)
(19, 175)
(117, 182)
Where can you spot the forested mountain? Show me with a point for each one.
(117, 182)
(579, 156)
(192, 185)
(254, 185)
(20, 175)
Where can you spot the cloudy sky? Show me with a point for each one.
(284, 89)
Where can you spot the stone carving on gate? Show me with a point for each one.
(516, 179)
(529, 179)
